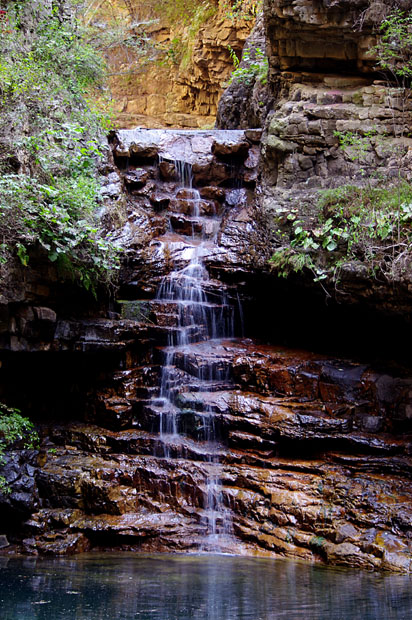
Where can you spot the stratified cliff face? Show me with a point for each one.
(323, 74)
(178, 80)
(311, 452)
(327, 90)
(322, 36)
(310, 455)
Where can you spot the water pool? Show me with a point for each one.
(198, 587)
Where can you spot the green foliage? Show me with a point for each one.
(355, 145)
(203, 12)
(183, 10)
(369, 225)
(394, 48)
(317, 543)
(59, 217)
(234, 58)
(255, 66)
(173, 52)
(242, 9)
(288, 260)
(53, 56)
(50, 143)
(15, 430)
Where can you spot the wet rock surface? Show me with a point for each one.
(314, 462)
(311, 453)
(221, 169)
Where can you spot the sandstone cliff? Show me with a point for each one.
(177, 71)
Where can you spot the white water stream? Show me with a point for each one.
(202, 315)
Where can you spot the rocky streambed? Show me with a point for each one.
(304, 454)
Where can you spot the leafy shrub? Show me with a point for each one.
(50, 143)
(369, 225)
(15, 430)
(254, 66)
(394, 48)
(59, 217)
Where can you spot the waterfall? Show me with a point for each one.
(202, 316)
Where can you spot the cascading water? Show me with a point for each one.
(202, 315)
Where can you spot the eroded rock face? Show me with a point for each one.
(315, 463)
(185, 71)
(323, 37)
(325, 88)
(301, 149)
(312, 452)
(194, 181)
(321, 70)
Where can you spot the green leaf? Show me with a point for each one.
(22, 254)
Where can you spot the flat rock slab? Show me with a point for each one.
(178, 145)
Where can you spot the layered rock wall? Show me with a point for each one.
(313, 451)
(178, 81)
(315, 456)
(335, 122)
(321, 37)
(323, 73)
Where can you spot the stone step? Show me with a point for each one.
(189, 226)
(174, 336)
(186, 193)
(97, 440)
(143, 310)
(144, 376)
(194, 206)
(199, 425)
(176, 377)
(184, 313)
(112, 529)
(205, 367)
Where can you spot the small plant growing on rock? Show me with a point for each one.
(15, 430)
(394, 48)
(393, 54)
(365, 225)
(242, 9)
(356, 145)
(254, 66)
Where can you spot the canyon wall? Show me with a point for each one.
(184, 65)
(338, 122)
